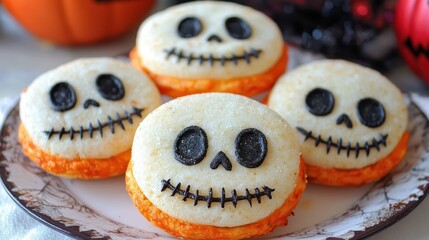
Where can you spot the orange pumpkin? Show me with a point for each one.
(73, 22)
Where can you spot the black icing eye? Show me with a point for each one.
(320, 102)
(371, 112)
(110, 87)
(238, 28)
(190, 146)
(63, 97)
(250, 148)
(189, 27)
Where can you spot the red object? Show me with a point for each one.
(362, 10)
(412, 32)
(74, 22)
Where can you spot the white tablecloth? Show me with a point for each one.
(22, 59)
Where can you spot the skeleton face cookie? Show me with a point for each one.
(210, 46)
(351, 120)
(215, 162)
(79, 119)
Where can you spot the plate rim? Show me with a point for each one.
(46, 220)
(74, 232)
(409, 207)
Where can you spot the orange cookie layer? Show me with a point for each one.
(73, 168)
(358, 177)
(247, 86)
(189, 230)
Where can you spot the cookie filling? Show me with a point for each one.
(258, 194)
(375, 143)
(111, 122)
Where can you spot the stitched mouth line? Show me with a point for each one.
(111, 122)
(210, 198)
(375, 143)
(246, 56)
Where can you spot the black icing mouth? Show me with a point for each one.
(246, 56)
(375, 143)
(111, 122)
(210, 199)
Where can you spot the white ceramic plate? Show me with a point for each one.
(101, 209)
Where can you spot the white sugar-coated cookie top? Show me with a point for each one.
(43, 123)
(159, 44)
(360, 96)
(222, 117)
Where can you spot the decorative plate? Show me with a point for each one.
(101, 209)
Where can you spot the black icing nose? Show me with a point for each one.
(214, 37)
(90, 102)
(221, 159)
(344, 118)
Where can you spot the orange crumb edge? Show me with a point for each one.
(247, 86)
(358, 177)
(189, 230)
(87, 168)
